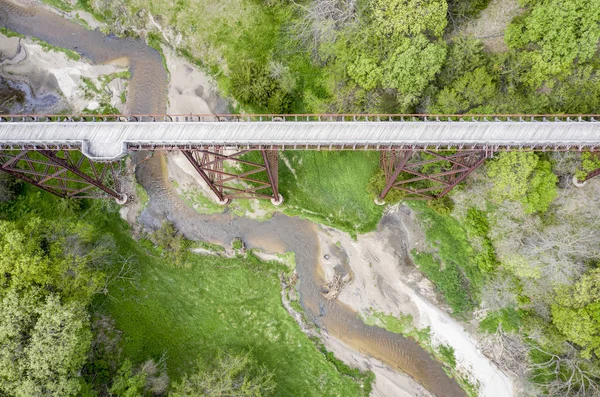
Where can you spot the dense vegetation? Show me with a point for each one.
(87, 310)
(520, 255)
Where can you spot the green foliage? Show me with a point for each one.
(509, 319)
(127, 383)
(73, 55)
(252, 84)
(9, 186)
(41, 253)
(478, 228)
(408, 66)
(450, 260)
(364, 378)
(463, 9)
(448, 279)
(554, 36)
(230, 375)
(524, 177)
(576, 312)
(9, 33)
(589, 162)
(471, 90)
(237, 244)
(44, 344)
(392, 18)
(172, 243)
(377, 184)
(442, 206)
(447, 354)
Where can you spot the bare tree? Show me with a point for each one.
(499, 292)
(572, 375)
(321, 22)
(508, 351)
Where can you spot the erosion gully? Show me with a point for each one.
(148, 94)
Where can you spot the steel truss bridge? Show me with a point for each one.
(425, 156)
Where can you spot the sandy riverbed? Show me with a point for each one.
(51, 81)
(382, 282)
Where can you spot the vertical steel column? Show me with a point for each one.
(271, 160)
(392, 167)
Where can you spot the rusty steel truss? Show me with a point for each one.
(240, 174)
(249, 174)
(427, 174)
(67, 174)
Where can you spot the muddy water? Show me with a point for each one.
(149, 83)
(283, 233)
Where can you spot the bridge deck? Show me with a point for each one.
(104, 141)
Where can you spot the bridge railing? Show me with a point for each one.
(491, 118)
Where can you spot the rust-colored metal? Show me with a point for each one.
(592, 174)
(63, 173)
(426, 174)
(232, 176)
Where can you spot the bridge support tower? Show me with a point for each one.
(241, 174)
(426, 174)
(64, 173)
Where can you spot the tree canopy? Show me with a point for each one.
(576, 312)
(524, 177)
(554, 36)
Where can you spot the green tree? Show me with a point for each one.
(231, 375)
(409, 17)
(57, 257)
(472, 89)
(127, 383)
(554, 36)
(524, 177)
(44, 344)
(576, 312)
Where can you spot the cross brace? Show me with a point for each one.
(249, 174)
(427, 174)
(592, 174)
(64, 173)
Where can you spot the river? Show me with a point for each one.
(148, 94)
(148, 87)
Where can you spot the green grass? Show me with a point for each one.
(213, 304)
(230, 304)
(9, 33)
(330, 188)
(153, 40)
(450, 260)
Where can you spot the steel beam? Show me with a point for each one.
(427, 174)
(63, 173)
(235, 176)
(592, 174)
